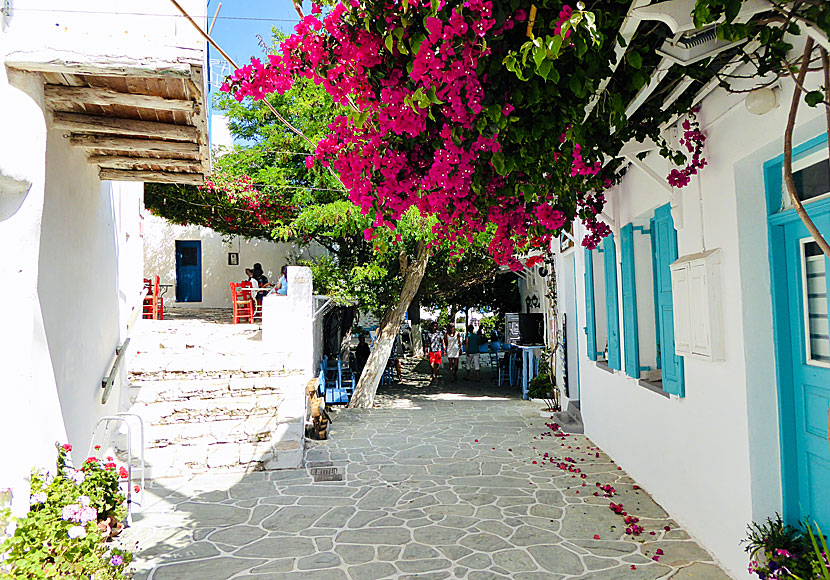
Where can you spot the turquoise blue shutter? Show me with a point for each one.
(612, 311)
(665, 238)
(590, 322)
(629, 303)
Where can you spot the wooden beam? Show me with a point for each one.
(106, 143)
(151, 176)
(125, 162)
(59, 95)
(128, 127)
(176, 63)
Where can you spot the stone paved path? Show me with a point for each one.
(441, 482)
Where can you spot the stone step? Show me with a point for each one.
(570, 421)
(204, 421)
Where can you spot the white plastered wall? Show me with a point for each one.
(73, 276)
(160, 238)
(710, 458)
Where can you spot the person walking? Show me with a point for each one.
(452, 346)
(471, 345)
(434, 344)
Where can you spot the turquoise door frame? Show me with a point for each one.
(803, 386)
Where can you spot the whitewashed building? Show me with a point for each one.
(94, 100)
(197, 264)
(697, 335)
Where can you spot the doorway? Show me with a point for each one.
(188, 271)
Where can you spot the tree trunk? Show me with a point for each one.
(367, 386)
(788, 152)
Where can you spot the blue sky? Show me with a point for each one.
(240, 21)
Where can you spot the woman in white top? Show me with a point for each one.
(452, 346)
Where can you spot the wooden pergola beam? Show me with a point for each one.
(151, 176)
(60, 95)
(106, 143)
(82, 123)
(125, 162)
(68, 61)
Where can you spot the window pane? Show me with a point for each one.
(189, 256)
(813, 181)
(815, 289)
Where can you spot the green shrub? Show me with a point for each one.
(779, 550)
(59, 537)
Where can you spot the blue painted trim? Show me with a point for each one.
(658, 349)
(576, 334)
(774, 173)
(666, 242)
(612, 308)
(590, 317)
(644, 230)
(782, 332)
(813, 208)
(631, 329)
(646, 368)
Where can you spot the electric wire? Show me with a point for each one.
(151, 14)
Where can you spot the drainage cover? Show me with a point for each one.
(319, 474)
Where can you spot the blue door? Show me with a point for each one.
(808, 278)
(188, 271)
(665, 246)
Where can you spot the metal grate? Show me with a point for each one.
(333, 473)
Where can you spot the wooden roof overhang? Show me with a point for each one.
(137, 119)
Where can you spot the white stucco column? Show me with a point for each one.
(288, 321)
(22, 178)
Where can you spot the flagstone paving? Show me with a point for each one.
(443, 481)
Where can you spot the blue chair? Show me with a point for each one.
(345, 378)
(386, 377)
(334, 393)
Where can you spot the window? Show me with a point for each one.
(814, 283)
(648, 246)
(601, 305)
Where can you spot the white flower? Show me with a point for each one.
(37, 498)
(88, 514)
(77, 476)
(84, 501)
(76, 532)
(71, 513)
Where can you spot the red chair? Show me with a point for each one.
(243, 303)
(153, 302)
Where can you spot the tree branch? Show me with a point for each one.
(788, 154)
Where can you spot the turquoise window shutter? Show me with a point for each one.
(665, 241)
(590, 321)
(612, 311)
(629, 300)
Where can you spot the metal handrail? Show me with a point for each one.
(107, 382)
(122, 417)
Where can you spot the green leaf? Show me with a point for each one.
(435, 5)
(539, 55)
(544, 69)
(554, 45)
(635, 60)
(814, 98)
(498, 163)
(388, 40)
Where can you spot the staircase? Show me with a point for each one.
(226, 421)
(570, 420)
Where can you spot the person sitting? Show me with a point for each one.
(282, 285)
(361, 354)
(262, 281)
(251, 280)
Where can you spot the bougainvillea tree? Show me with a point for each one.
(472, 114)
